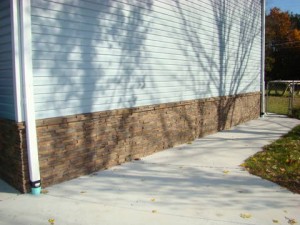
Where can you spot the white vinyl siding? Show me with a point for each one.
(95, 55)
(7, 110)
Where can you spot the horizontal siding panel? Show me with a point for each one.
(77, 44)
(6, 73)
(93, 36)
(155, 92)
(99, 55)
(6, 64)
(5, 22)
(62, 47)
(6, 80)
(163, 70)
(87, 24)
(109, 104)
(6, 99)
(133, 75)
(96, 62)
(120, 103)
(6, 57)
(7, 90)
(99, 10)
(102, 89)
(106, 56)
(100, 32)
(4, 5)
(5, 49)
(7, 115)
(94, 11)
(70, 49)
(9, 110)
(5, 39)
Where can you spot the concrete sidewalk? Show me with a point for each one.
(198, 183)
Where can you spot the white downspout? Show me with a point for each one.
(27, 86)
(263, 31)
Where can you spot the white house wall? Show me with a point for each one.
(7, 109)
(98, 55)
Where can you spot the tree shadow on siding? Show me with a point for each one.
(222, 57)
(77, 47)
(83, 70)
(239, 59)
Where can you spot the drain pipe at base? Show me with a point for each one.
(28, 97)
(263, 31)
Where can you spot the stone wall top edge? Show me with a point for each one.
(129, 111)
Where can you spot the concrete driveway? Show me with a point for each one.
(196, 183)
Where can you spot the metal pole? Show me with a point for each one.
(263, 22)
(293, 96)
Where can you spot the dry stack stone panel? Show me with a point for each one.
(13, 155)
(81, 144)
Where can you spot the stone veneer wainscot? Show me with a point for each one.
(72, 146)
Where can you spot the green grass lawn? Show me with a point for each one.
(279, 162)
(280, 104)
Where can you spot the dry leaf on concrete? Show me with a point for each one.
(245, 215)
(51, 221)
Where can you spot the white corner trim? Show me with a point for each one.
(27, 86)
(16, 57)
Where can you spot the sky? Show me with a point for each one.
(285, 5)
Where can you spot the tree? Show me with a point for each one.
(282, 45)
(295, 19)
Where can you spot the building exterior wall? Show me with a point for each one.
(118, 80)
(7, 108)
(91, 56)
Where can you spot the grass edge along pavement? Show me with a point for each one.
(279, 161)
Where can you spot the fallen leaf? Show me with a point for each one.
(274, 167)
(189, 143)
(225, 171)
(243, 165)
(51, 221)
(154, 211)
(291, 221)
(282, 169)
(153, 200)
(82, 192)
(245, 215)
(44, 191)
(275, 221)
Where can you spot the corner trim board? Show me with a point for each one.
(15, 29)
